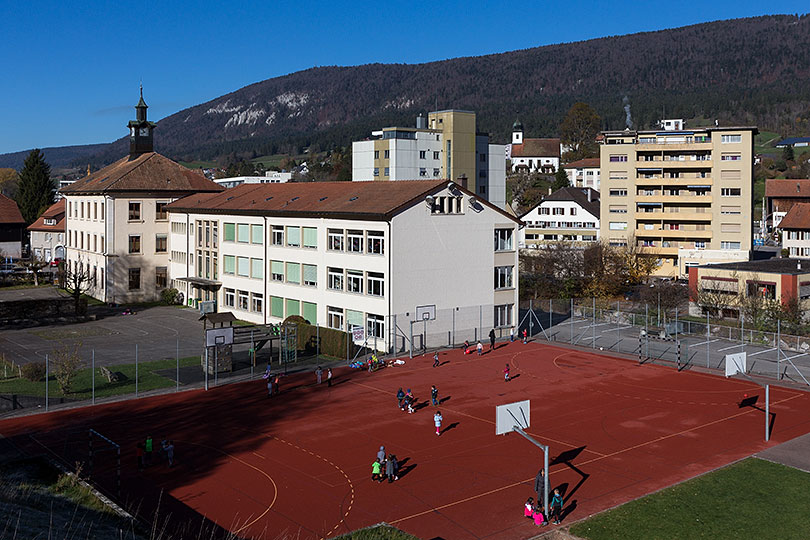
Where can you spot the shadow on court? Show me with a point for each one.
(752, 402)
(566, 458)
(448, 428)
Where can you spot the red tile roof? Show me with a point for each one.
(587, 163)
(537, 148)
(57, 212)
(378, 200)
(146, 172)
(798, 217)
(787, 187)
(9, 211)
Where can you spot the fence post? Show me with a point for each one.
(318, 342)
(778, 349)
(571, 324)
(252, 354)
(678, 337)
(742, 331)
(453, 339)
(177, 371)
(93, 377)
(410, 343)
(708, 335)
(531, 325)
(136, 370)
(646, 330)
(480, 321)
(593, 323)
(550, 308)
(47, 373)
(206, 364)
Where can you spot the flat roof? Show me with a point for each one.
(767, 266)
(755, 129)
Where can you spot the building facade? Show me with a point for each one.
(583, 173)
(533, 155)
(343, 256)
(270, 177)
(445, 145)
(48, 233)
(684, 197)
(796, 231)
(116, 222)
(780, 196)
(568, 215)
(12, 228)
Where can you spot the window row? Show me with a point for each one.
(84, 210)
(557, 211)
(135, 247)
(82, 240)
(356, 241)
(355, 281)
(244, 300)
(93, 279)
(243, 233)
(134, 278)
(135, 211)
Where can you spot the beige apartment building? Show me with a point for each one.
(683, 196)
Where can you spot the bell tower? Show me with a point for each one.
(517, 132)
(140, 130)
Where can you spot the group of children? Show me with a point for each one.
(535, 512)
(385, 467)
(145, 449)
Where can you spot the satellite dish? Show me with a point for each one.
(451, 185)
(473, 200)
(429, 201)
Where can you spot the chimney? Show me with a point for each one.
(589, 194)
(549, 190)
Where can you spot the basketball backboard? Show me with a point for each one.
(735, 363)
(219, 336)
(426, 313)
(512, 415)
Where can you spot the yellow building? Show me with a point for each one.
(683, 196)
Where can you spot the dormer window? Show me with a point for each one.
(50, 221)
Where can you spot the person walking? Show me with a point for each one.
(466, 346)
(276, 384)
(540, 485)
(437, 420)
(400, 398)
(506, 373)
(170, 453)
(492, 340)
(389, 470)
(434, 395)
(511, 334)
(381, 454)
(392, 459)
(556, 507)
(525, 336)
(147, 447)
(329, 377)
(375, 471)
(479, 348)
(270, 386)
(436, 359)
(318, 374)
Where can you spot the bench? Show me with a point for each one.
(111, 376)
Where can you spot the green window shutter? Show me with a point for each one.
(310, 312)
(310, 273)
(243, 232)
(230, 264)
(230, 232)
(293, 307)
(293, 273)
(354, 318)
(277, 307)
(310, 237)
(257, 234)
(277, 267)
(293, 236)
(256, 269)
(243, 266)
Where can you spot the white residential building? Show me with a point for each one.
(533, 155)
(48, 233)
(567, 215)
(796, 231)
(270, 177)
(583, 173)
(364, 254)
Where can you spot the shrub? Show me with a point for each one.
(35, 371)
(169, 296)
(67, 365)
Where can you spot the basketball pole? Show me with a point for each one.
(544, 448)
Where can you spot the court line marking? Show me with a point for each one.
(797, 356)
(732, 347)
(586, 462)
(763, 351)
(704, 342)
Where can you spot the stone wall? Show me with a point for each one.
(42, 310)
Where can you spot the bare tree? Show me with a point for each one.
(35, 266)
(76, 280)
(67, 365)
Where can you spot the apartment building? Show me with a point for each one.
(796, 230)
(346, 255)
(116, 221)
(780, 196)
(48, 233)
(445, 145)
(569, 214)
(583, 173)
(683, 196)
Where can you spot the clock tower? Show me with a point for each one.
(140, 130)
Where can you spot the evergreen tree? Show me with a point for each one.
(787, 153)
(35, 189)
(560, 180)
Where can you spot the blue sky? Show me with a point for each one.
(73, 68)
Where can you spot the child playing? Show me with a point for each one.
(466, 347)
(434, 395)
(506, 373)
(525, 336)
(528, 511)
(537, 515)
(437, 420)
(375, 471)
(436, 359)
(409, 400)
(480, 348)
(556, 507)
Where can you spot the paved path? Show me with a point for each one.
(794, 453)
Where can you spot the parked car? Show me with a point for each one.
(56, 261)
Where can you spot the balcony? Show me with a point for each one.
(658, 250)
(684, 199)
(674, 164)
(660, 181)
(674, 233)
(674, 216)
(668, 146)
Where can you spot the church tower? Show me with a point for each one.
(517, 132)
(140, 130)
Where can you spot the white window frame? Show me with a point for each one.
(354, 281)
(354, 241)
(335, 318)
(335, 279)
(375, 284)
(336, 240)
(504, 277)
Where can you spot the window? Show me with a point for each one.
(294, 236)
(310, 237)
(729, 245)
(545, 211)
(257, 234)
(376, 171)
(243, 233)
(256, 269)
(277, 307)
(230, 264)
(161, 243)
(386, 154)
(230, 297)
(310, 275)
(558, 211)
(134, 243)
(447, 205)
(293, 307)
(435, 155)
(293, 273)
(243, 266)
(277, 270)
(422, 171)
(618, 226)
(573, 211)
(503, 315)
(503, 239)
(243, 297)
(376, 242)
(615, 158)
(354, 281)
(422, 154)
(309, 311)
(618, 175)
(335, 239)
(334, 279)
(700, 245)
(386, 171)
(95, 243)
(617, 208)
(376, 154)
(161, 277)
(731, 138)
(354, 241)
(134, 279)
(503, 277)
(375, 284)
(334, 317)
(375, 326)
(278, 235)
(230, 232)
(95, 210)
(134, 211)
(436, 172)
(618, 193)
(160, 211)
(730, 209)
(257, 302)
(730, 157)
(102, 211)
(730, 228)
(730, 192)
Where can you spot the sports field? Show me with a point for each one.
(300, 463)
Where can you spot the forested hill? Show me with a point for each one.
(744, 71)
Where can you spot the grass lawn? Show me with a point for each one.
(377, 532)
(750, 499)
(82, 385)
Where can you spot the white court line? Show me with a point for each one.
(760, 352)
(704, 343)
(798, 355)
(615, 329)
(732, 347)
